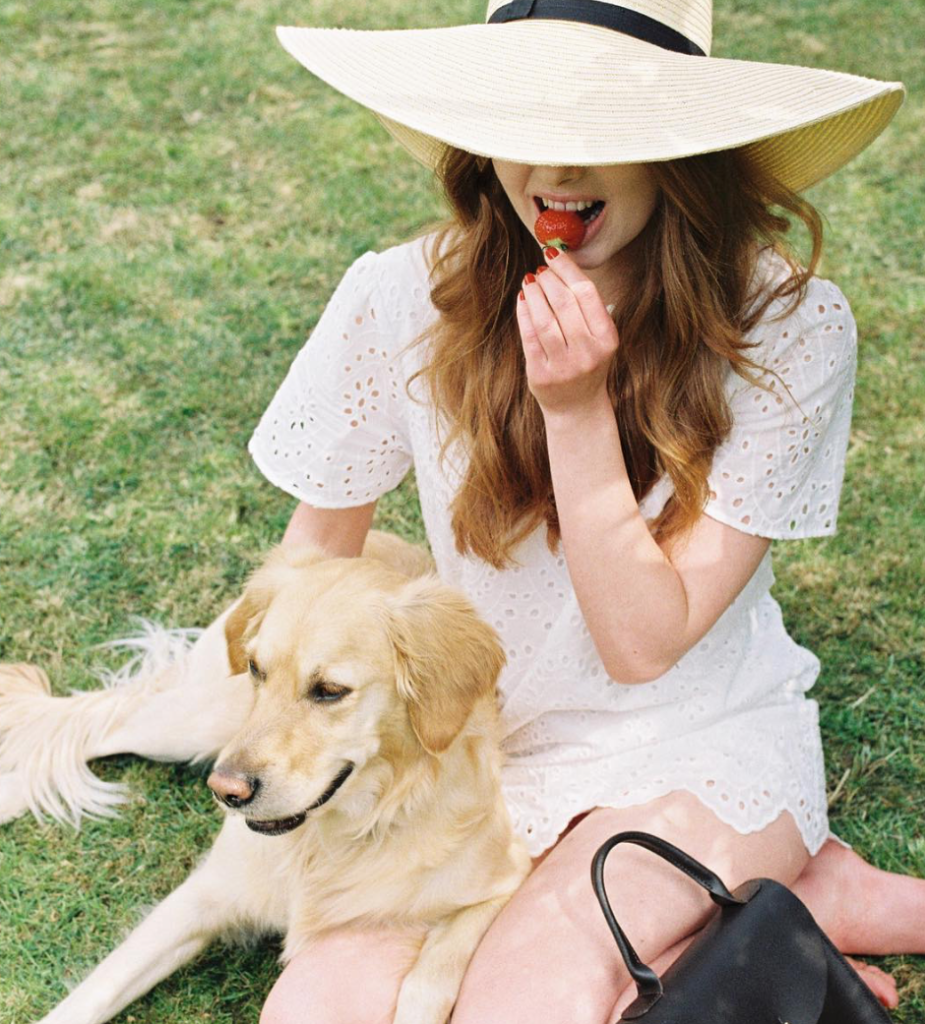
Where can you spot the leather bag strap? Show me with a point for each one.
(648, 983)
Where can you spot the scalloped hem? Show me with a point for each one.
(814, 833)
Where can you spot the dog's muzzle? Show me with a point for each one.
(283, 825)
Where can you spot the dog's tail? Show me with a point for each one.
(46, 741)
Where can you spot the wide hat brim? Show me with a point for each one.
(570, 94)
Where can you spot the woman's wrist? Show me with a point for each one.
(586, 457)
(592, 415)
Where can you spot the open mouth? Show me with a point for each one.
(280, 826)
(590, 209)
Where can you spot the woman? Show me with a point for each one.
(597, 468)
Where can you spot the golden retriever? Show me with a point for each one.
(364, 785)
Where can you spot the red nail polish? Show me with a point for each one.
(522, 296)
(539, 270)
(529, 279)
(550, 252)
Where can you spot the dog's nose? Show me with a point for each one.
(233, 788)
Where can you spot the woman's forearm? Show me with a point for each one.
(340, 532)
(632, 599)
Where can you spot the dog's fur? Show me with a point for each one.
(353, 662)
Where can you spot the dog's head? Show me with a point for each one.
(355, 667)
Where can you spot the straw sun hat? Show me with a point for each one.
(586, 82)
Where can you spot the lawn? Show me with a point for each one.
(177, 200)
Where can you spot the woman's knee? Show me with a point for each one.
(349, 976)
(550, 953)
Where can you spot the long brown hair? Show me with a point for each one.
(696, 297)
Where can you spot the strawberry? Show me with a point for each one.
(562, 228)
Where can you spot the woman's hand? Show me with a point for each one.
(568, 337)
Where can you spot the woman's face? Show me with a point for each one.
(628, 192)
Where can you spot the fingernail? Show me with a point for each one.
(522, 296)
(540, 270)
(529, 279)
(550, 252)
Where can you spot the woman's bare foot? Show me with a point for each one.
(879, 982)
(861, 908)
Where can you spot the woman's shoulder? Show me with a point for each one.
(821, 319)
(822, 299)
(399, 276)
(406, 261)
(779, 471)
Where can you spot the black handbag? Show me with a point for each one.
(761, 960)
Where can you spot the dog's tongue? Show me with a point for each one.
(563, 229)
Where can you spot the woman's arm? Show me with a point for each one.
(645, 605)
(340, 531)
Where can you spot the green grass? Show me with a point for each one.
(177, 200)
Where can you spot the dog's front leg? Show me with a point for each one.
(172, 934)
(431, 986)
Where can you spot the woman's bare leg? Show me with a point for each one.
(348, 976)
(507, 961)
(861, 908)
(549, 955)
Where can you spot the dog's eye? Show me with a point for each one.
(327, 693)
(254, 671)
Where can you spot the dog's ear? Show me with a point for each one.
(245, 617)
(446, 659)
(242, 623)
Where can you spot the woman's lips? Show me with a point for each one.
(592, 229)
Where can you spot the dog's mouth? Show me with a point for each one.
(280, 826)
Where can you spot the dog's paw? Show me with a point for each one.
(424, 1000)
(21, 679)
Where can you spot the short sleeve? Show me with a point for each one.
(334, 434)
(779, 472)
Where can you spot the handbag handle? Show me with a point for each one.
(648, 984)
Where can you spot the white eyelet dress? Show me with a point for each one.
(730, 722)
